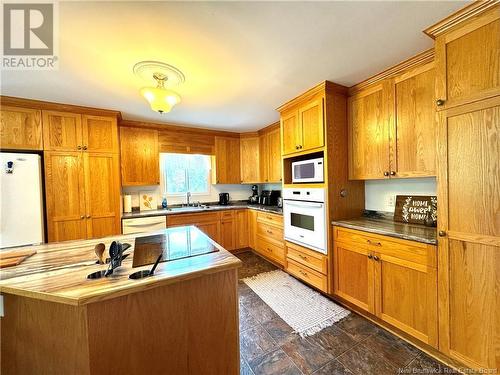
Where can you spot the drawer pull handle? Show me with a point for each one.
(302, 256)
(268, 249)
(374, 243)
(269, 231)
(376, 258)
(303, 273)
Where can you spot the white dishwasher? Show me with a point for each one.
(143, 224)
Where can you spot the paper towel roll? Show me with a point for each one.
(127, 203)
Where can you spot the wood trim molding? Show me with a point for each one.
(52, 106)
(460, 16)
(268, 128)
(421, 59)
(177, 128)
(323, 86)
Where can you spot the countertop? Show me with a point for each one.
(209, 208)
(388, 227)
(58, 271)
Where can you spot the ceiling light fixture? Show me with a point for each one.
(160, 98)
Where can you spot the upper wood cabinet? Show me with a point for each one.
(100, 133)
(369, 134)
(140, 164)
(468, 60)
(302, 126)
(227, 161)
(392, 127)
(270, 155)
(264, 157)
(249, 155)
(20, 128)
(415, 124)
(62, 131)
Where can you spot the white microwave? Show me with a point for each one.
(308, 170)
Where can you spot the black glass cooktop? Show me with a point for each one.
(173, 244)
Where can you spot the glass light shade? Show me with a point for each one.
(160, 99)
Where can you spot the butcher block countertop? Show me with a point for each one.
(58, 271)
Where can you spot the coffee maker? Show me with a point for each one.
(254, 198)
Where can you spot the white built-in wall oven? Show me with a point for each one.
(304, 214)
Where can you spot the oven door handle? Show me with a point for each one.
(308, 204)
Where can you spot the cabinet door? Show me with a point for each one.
(241, 230)
(102, 194)
(252, 228)
(211, 229)
(140, 164)
(62, 131)
(227, 234)
(64, 196)
(274, 156)
(415, 121)
(369, 133)
(468, 61)
(227, 160)
(20, 128)
(406, 296)
(249, 152)
(291, 132)
(311, 125)
(100, 134)
(469, 226)
(264, 158)
(353, 275)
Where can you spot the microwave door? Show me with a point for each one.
(303, 172)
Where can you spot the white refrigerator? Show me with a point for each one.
(21, 200)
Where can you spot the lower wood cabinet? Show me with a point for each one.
(82, 195)
(395, 280)
(208, 222)
(269, 240)
(307, 265)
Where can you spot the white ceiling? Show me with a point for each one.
(241, 59)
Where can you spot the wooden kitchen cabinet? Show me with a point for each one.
(469, 230)
(100, 133)
(302, 126)
(393, 279)
(102, 194)
(269, 241)
(264, 158)
(227, 161)
(308, 265)
(140, 164)
(62, 131)
(65, 195)
(369, 132)
(242, 229)
(392, 127)
(228, 230)
(20, 128)
(414, 141)
(208, 222)
(250, 158)
(270, 155)
(252, 228)
(468, 59)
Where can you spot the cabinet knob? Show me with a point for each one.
(439, 102)
(296, 147)
(82, 217)
(376, 258)
(84, 147)
(300, 146)
(78, 147)
(370, 256)
(442, 233)
(386, 173)
(88, 216)
(393, 173)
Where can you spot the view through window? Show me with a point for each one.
(185, 172)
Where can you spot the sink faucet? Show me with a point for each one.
(188, 197)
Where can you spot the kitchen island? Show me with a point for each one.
(181, 320)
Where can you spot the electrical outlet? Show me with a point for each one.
(391, 200)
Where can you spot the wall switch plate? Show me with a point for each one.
(391, 200)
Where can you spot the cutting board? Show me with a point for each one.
(11, 258)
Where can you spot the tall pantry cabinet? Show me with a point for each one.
(468, 170)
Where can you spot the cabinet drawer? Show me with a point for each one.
(270, 232)
(307, 257)
(227, 215)
(411, 251)
(271, 250)
(308, 275)
(190, 219)
(143, 224)
(266, 217)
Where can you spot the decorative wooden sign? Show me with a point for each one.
(416, 209)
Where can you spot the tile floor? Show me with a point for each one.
(351, 346)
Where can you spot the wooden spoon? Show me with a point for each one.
(99, 252)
